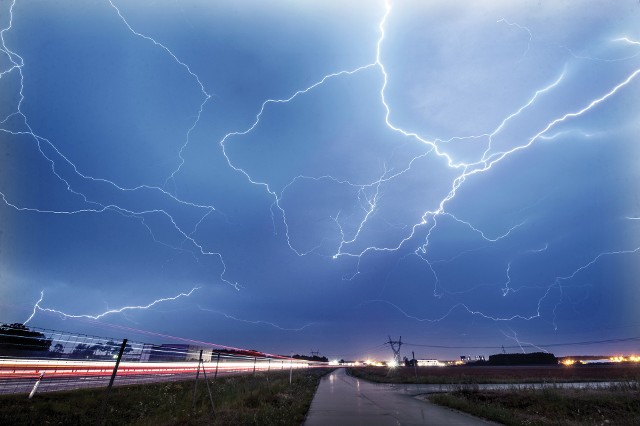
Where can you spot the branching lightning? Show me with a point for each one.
(17, 64)
(523, 28)
(514, 337)
(207, 96)
(468, 169)
(347, 243)
(37, 307)
(256, 322)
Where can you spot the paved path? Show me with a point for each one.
(345, 400)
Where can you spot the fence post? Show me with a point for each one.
(217, 362)
(35, 386)
(255, 359)
(204, 372)
(103, 418)
(290, 369)
(268, 369)
(196, 386)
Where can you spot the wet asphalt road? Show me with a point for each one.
(346, 400)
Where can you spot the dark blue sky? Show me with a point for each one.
(323, 175)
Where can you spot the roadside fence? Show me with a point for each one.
(34, 360)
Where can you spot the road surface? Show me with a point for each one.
(346, 400)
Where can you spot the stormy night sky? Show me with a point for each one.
(296, 175)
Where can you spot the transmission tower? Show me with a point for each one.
(396, 352)
(315, 353)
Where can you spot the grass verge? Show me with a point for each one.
(615, 405)
(238, 400)
(496, 375)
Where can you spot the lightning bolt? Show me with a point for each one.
(558, 283)
(368, 196)
(523, 28)
(627, 40)
(257, 322)
(37, 307)
(514, 337)
(56, 156)
(206, 95)
(458, 306)
(591, 58)
(482, 234)
(469, 169)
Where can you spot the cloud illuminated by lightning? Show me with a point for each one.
(368, 194)
(17, 63)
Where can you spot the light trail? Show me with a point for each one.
(17, 375)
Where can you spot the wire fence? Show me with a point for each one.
(50, 360)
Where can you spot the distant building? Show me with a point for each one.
(534, 358)
(430, 363)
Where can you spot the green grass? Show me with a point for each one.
(238, 400)
(495, 375)
(615, 405)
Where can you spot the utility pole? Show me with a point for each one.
(396, 352)
(315, 353)
(414, 361)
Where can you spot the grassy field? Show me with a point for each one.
(616, 405)
(485, 374)
(238, 400)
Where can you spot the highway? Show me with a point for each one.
(20, 375)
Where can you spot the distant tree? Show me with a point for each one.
(17, 339)
(99, 348)
(82, 350)
(311, 358)
(112, 348)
